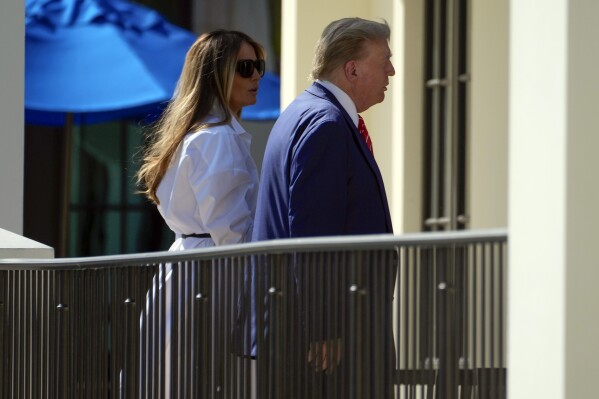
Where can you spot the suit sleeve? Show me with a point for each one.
(318, 181)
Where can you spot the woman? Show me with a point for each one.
(199, 172)
(198, 169)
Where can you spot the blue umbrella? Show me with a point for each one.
(99, 60)
(102, 60)
(92, 61)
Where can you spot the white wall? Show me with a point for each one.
(384, 119)
(302, 23)
(582, 193)
(14, 246)
(406, 184)
(12, 67)
(537, 200)
(259, 131)
(553, 214)
(488, 114)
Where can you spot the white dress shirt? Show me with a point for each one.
(211, 187)
(343, 98)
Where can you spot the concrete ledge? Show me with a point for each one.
(14, 246)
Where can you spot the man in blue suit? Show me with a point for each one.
(318, 175)
(320, 178)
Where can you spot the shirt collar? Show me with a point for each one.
(217, 114)
(341, 96)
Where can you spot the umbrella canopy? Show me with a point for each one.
(101, 60)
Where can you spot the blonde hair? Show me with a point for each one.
(342, 41)
(206, 81)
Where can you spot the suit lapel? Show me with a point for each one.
(320, 91)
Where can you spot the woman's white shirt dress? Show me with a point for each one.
(211, 186)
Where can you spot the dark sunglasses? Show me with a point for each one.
(246, 68)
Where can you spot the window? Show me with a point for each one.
(106, 215)
(445, 111)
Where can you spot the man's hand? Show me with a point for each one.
(325, 355)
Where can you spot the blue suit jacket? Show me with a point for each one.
(318, 176)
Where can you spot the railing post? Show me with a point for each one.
(61, 312)
(353, 331)
(355, 337)
(274, 383)
(127, 388)
(447, 358)
(202, 378)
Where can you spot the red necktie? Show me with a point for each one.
(364, 132)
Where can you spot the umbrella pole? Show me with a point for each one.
(66, 187)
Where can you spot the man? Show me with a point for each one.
(318, 175)
(320, 178)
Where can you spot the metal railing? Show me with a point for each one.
(411, 316)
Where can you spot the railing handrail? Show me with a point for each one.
(328, 243)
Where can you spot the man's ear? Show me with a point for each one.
(351, 73)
